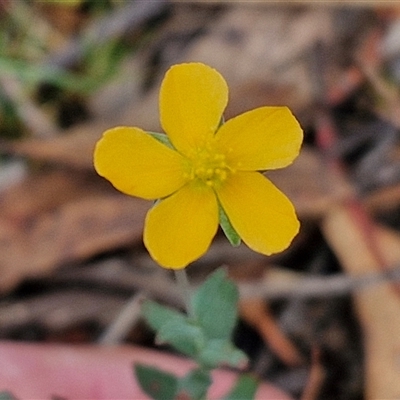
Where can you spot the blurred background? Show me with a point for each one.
(321, 319)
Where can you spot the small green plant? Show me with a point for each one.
(201, 334)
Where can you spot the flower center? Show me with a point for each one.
(208, 165)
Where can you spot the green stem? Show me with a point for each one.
(184, 285)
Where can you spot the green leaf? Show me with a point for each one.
(159, 385)
(32, 74)
(195, 384)
(157, 315)
(215, 306)
(5, 395)
(245, 388)
(221, 122)
(221, 352)
(163, 138)
(101, 63)
(174, 328)
(11, 126)
(228, 229)
(183, 336)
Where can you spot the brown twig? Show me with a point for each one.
(256, 313)
(315, 378)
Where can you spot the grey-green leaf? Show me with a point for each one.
(245, 388)
(220, 352)
(228, 229)
(159, 385)
(215, 305)
(162, 137)
(183, 336)
(195, 384)
(157, 315)
(5, 395)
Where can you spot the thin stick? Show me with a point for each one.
(127, 318)
(184, 285)
(316, 376)
(316, 286)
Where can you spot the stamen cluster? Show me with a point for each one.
(208, 166)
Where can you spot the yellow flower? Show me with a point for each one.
(209, 165)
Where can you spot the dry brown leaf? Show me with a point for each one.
(378, 306)
(73, 231)
(57, 217)
(74, 149)
(45, 190)
(44, 371)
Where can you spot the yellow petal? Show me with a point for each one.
(261, 214)
(137, 164)
(264, 138)
(180, 228)
(193, 97)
